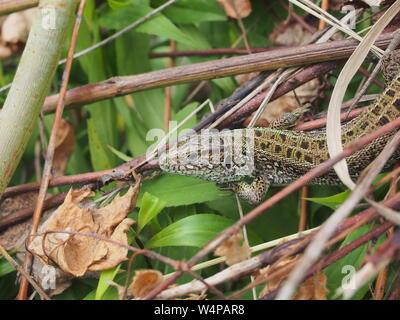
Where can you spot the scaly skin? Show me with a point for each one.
(281, 156)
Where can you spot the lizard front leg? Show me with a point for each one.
(252, 192)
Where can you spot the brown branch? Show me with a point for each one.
(55, 182)
(9, 6)
(324, 6)
(168, 91)
(321, 123)
(286, 57)
(28, 212)
(212, 52)
(303, 209)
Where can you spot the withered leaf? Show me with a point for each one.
(314, 288)
(234, 249)
(144, 282)
(236, 8)
(16, 26)
(77, 254)
(65, 141)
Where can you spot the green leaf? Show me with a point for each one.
(189, 11)
(198, 41)
(183, 113)
(150, 107)
(119, 154)
(5, 267)
(104, 277)
(151, 206)
(98, 153)
(102, 113)
(116, 4)
(332, 202)
(226, 84)
(193, 231)
(157, 25)
(8, 287)
(135, 131)
(178, 190)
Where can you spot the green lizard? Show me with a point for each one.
(250, 160)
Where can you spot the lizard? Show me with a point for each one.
(249, 160)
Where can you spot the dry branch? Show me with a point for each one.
(9, 6)
(286, 57)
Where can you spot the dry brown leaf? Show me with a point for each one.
(110, 216)
(241, 79)
(234, 249)
(290, 34)
(314, 288)
(65, 141)
(236, 8)
(77, 254)
(115, 253)
(144, 282)
(286, 103)
(5, 52)
(16, 26)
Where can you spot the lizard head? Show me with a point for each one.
(222, 157)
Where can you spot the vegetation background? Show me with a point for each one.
(185, 212)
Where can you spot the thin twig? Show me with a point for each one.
(24, 274)
(303, 209)
(51, 147)
(167, 104)
(324, 6)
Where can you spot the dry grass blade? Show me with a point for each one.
(313, 9)
(223, 276)
(360, 278)
(333, 127)
(387, 213)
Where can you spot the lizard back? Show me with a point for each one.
(283, 155)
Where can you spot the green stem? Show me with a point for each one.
(32, 81)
